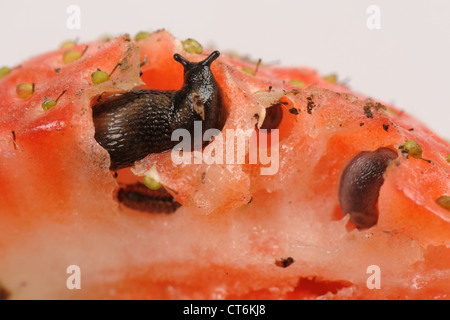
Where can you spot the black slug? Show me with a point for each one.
(133, 124)
(139, 197)
(360, 185)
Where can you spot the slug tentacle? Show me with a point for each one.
(133, 124)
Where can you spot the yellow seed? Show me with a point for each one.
(99, 77)
(151, 183)
(444, 202)
(414, 149)
(106, 37)
(67, 44)
(24, 90)
(4, 71)
(298, 83)
(48, 104)
(192, 46)
(391, 111)
(448, 157)
(331, 78)
(234, 54)
(249, 71)
(141, 35)
(71, 55)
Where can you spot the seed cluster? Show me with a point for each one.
(26, 90)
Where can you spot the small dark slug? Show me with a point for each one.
(133, 124)
(360, 185)
(139, 197)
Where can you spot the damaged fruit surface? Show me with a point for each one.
(229, 224)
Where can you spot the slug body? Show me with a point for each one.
(360, 184)
(141, 198)
(133, 124)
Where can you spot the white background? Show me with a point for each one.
(406, 62)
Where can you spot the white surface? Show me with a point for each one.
(406, 62)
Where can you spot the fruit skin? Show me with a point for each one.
(58, 207)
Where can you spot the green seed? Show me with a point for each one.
(414, 149)
(249, 71)
(24, 90)
(4, 71)
(67, 44)
(151, 183)
(99, 76)
(71, 55)
(48, 104)
(192, 46)
(298, 83)
(444, 202)
(141, 35)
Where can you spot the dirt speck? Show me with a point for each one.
(368, 112)
(203, 177)
(371, 106)
(310, 106)
(126, 37)
(284, 263)
(293, 111)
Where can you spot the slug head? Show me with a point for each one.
(200, 94)
(188, 65)
(197, 74)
